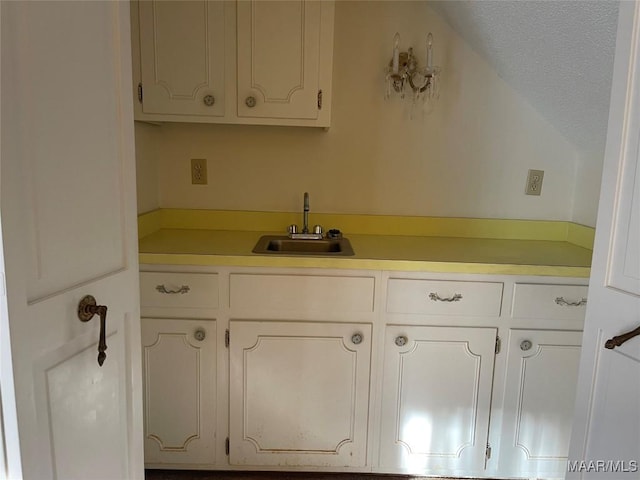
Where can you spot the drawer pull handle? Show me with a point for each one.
(526, 345)
(561, 301)
(437, 298)
(357, 338)
(200, 334)
(620, 339)
(401, 340)
(181, 290)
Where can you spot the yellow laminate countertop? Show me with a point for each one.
(198, 244)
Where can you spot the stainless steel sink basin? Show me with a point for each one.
(274, 244)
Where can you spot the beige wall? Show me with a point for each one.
(587, 191)
(148, 137)
(469, 157)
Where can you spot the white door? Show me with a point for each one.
(179, 371)
(182, 57)
(540, 393)
(278, 59)
(68, 227)
(299, 393)
(436, 398)
(605, 441)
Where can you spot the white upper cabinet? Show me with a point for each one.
(278, 59)
(196, 60)
(182, 57)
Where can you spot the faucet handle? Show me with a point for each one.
(293, 228)
(317, 229)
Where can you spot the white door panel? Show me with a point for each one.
(68, 226)
(435, 405)
(605, 441)
(279, 58)
(299, 393)
(182, 46)
(542, 371)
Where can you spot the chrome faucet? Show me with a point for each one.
(305, 234)
(305, 215)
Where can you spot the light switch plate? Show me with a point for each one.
(198, 171)
(534, 182)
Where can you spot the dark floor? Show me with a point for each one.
(204, 475)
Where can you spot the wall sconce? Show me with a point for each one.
(404, 73)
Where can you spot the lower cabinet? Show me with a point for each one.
(179, 376)
(299, 393)
(436, 399)
(324, 373)
(542, 374)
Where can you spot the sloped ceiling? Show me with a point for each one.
(557, 54)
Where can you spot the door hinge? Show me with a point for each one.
(227, 338)
(488, 451)
(319, 99)
(226, 446)
(140, 92)
(498, 344)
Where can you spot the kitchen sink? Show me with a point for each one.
(275, 244)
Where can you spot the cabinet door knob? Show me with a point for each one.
(525, 345)
(357, 338)
(250, 102)
(209, 100)
(200, 334)
(401, 340)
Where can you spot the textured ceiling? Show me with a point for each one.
(557, 54)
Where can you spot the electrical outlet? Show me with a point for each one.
(198, 171)
(534, 182)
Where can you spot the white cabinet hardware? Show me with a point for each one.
(456, 297)
(169, 291)
(570, 303)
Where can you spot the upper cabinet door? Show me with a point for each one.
(182, 57)
(278, 59)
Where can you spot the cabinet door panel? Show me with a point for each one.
(299, 393)
(179, 372)
(437, 392)
(182, 57)
(278, 58)
(541, 380)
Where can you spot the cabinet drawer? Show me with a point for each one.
(178, 290)
(436, 297)
(301, 293)
(561, 302)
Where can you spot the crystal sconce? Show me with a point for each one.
(404, 74)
